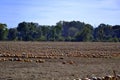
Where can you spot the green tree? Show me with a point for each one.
(115, 39)
(3, 31)
(12, 34)
(85, 34)
(103, 33)
(57, 32)
(116, 31)
(44, 32)
(27, 31)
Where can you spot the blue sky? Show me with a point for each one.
(48, 12)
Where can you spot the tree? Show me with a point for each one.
(62, 31)
(44, 32)
(116, 31)
(3, 31)
(12, 34)
(85, 34)
(27, 31)
(103, 33)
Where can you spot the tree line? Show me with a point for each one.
(62, 31)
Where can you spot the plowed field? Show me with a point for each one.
(57, 60)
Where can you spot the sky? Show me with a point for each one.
(49, 12)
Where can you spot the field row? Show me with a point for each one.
(75, 49)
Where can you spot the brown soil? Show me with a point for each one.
(61, 60)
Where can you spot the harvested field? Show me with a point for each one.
(57, 60)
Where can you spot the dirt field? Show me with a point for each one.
(61, 60)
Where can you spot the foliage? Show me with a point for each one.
(3, 31)
(12, 34)
(62, 31)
